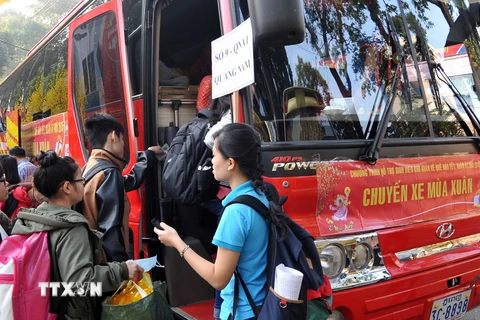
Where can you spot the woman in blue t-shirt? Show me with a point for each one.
(242, 234)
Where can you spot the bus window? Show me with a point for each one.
(33, 88)
(440, 65)
(133, 14)
(55, 74)
(354, 69)
(11, 91)
(133, 21)
(97, 75)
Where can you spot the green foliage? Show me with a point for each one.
(309, 77)
(49, 12)
(56, 96)
(411, 122)
(35, 102)
(22, 31)
(6, 52)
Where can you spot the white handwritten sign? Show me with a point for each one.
(232, 61)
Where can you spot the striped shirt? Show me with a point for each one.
(26, 170)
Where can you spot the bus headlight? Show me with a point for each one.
(362, 256)
(333, 260)
(352, 261)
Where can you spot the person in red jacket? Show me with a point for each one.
(22, 196)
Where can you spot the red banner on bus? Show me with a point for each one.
(46, 134)
(353, 195)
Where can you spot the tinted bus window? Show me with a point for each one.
(33, 88)
(132, 14)
(55, 74)
(97, 74)
(432, 39)
(11, 93)
(352, 60)
(133, 19)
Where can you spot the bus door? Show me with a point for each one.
(99, 82)
(182, 32)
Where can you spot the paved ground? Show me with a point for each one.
(473, 314)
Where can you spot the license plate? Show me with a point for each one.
(450, 308)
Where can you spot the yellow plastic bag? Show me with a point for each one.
(152, 307)
(133, 291)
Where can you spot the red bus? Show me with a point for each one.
(370, 127)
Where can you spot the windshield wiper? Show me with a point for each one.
(442, 76)
(417, 68)
(426, 56)
(435, 68)
(373, 152)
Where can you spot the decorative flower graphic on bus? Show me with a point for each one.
(59, 145)
(476, 198)
(329, 176)
(341, 206)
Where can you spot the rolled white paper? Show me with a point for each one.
(288, 282)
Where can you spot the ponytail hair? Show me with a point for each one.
(52, 172)
(241, 143)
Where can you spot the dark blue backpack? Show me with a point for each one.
(295, 249)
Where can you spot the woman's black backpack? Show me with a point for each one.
(187, 174)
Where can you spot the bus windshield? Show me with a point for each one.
(358, 58)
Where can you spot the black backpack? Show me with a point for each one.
(10, 205)
(295, 249)
(187, 174)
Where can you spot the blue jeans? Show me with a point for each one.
(217, 305)
(216, 207)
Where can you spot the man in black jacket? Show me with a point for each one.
(105, 203)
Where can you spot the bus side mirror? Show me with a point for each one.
(277, 22)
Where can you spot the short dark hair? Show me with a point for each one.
(52, 172)
(10, 166)
(98, 127)
(17, 152)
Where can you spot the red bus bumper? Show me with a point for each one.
(409, 297)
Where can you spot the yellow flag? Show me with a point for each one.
(13, 128)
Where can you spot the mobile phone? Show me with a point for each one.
(156, 223)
